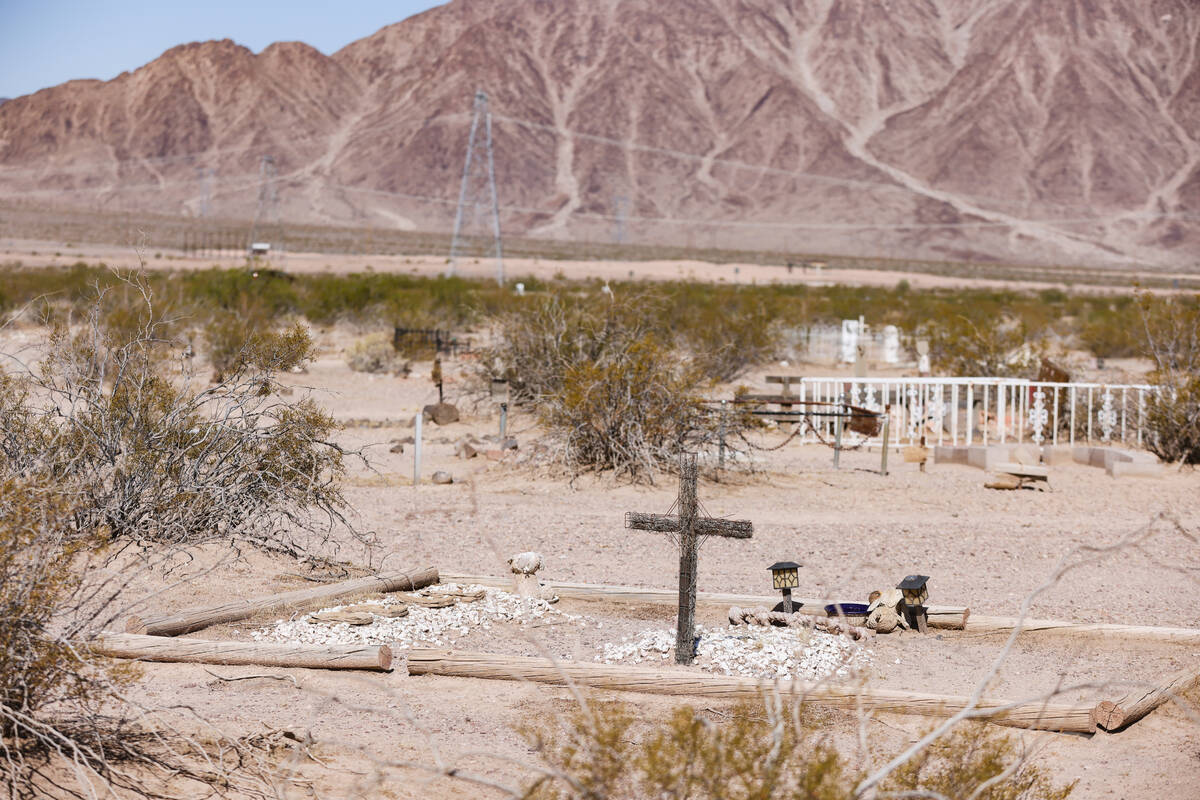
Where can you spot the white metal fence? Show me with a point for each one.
(990, 410)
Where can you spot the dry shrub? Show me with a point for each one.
(247, 339)
(375, 354)
(631, 412)
(65, 727)
(780, 753)
(604, 384)
(960, 763)
(726, 337)
(156, 462)
(1171, 327)
(981, 348)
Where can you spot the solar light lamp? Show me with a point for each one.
(785, 576)
(915, 590)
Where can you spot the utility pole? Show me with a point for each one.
(468, 193)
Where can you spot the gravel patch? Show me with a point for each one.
(752, 652)
(438, 627)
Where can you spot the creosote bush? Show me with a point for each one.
(965, 346)
(375, 354)
(601, 753)
(158, 462)
(604, 383)
(1171, 327)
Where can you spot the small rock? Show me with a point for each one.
(441, 413)
(442, 477)
(509, 444)
(495, 455)
(465, 449)
(405, 440)
(396, 448)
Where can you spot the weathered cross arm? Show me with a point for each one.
(704, 526)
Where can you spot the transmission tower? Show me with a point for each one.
(268, 196)
(475, 171)
(205, 176)
(620, 216)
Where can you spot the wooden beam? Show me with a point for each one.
(674, 681)
(945, 617)
(193, 619)
(202, 651)
(704, 526)
(1004, 625)
(1113, 715)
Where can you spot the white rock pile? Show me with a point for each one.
(439, 627)
(752, 652)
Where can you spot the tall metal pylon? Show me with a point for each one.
(620, 216)
(268, 196)
(205, 176)
(467, 194)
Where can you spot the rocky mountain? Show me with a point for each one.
(1027, 130)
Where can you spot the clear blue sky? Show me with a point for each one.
(46, 42)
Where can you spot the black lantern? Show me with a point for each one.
(915, 592)
(785, 576)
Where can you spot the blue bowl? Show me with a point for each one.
(846, 609)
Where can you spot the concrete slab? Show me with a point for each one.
(987, 457)
(1026, 454)
(1135, 469)
(975, 455)
(1055, 455)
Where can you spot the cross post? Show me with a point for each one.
(689, 526)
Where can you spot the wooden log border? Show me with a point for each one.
(1115, 715)
(1035, 715)
(194, 619)
(134, 646)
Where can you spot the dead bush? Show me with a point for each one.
(782, 752)
(158, 462)
(1171, 329)
(375, 354)
(247, 339)
(604, 384)
(1001, 348)
(67, 725)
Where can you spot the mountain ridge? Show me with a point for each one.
(984, 130)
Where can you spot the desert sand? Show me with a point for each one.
(852, 529)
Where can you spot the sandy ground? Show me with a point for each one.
(45, 253)
(851, 529)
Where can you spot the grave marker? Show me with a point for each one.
(689, 526)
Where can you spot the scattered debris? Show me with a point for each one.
(442, 477)
(764, 617)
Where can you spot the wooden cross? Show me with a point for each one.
(689, 526)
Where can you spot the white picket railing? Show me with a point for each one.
(989, 410)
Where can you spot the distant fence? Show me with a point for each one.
(990, 410)
(435, 339)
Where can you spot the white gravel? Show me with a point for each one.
(422, 626)
(752, 652)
